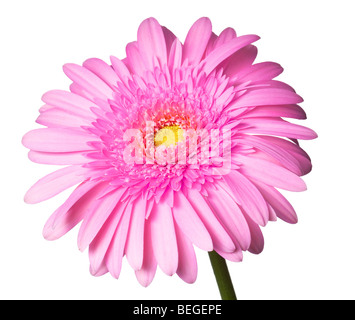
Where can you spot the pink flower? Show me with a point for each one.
(175, 146)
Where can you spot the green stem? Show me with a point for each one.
(223, 278)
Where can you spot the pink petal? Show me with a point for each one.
(260, 71)
(187, 267)
(54, 183)
(289, 111)
(224, 51)
(58, 140)
(88, 81)
(169, 39)
(225, 36)
(249, 196)
(294, 150)
(257, 238)
(224, 99)
(175, 55)
(103, 71)
(99, 271)
(266, 96)
(164, 238)
(240, 60)
(197, 40)
(228, 212)
(135, 239)
(168, 197)
(220, 237)
(210, 45)
(99, 246)
(277, 127)
(272, 214)
(236, 256)
(278, 202)
(57, 118)
(147, 272)
(270, 173)
(190, 223)
(280, 154)
(121, 69)
(69, 101)
(66, 158)
(96, 217)
(135, 59)
(115, 252)
(79, 90)
(243, 87)
(151, 42)
(72, 211)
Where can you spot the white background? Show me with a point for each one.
(312, 40)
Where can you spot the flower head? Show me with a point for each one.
(175, 146)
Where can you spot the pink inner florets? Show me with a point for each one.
(181, 100)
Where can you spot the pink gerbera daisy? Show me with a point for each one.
(175, 146)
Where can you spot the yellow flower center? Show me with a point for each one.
(168, 136)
